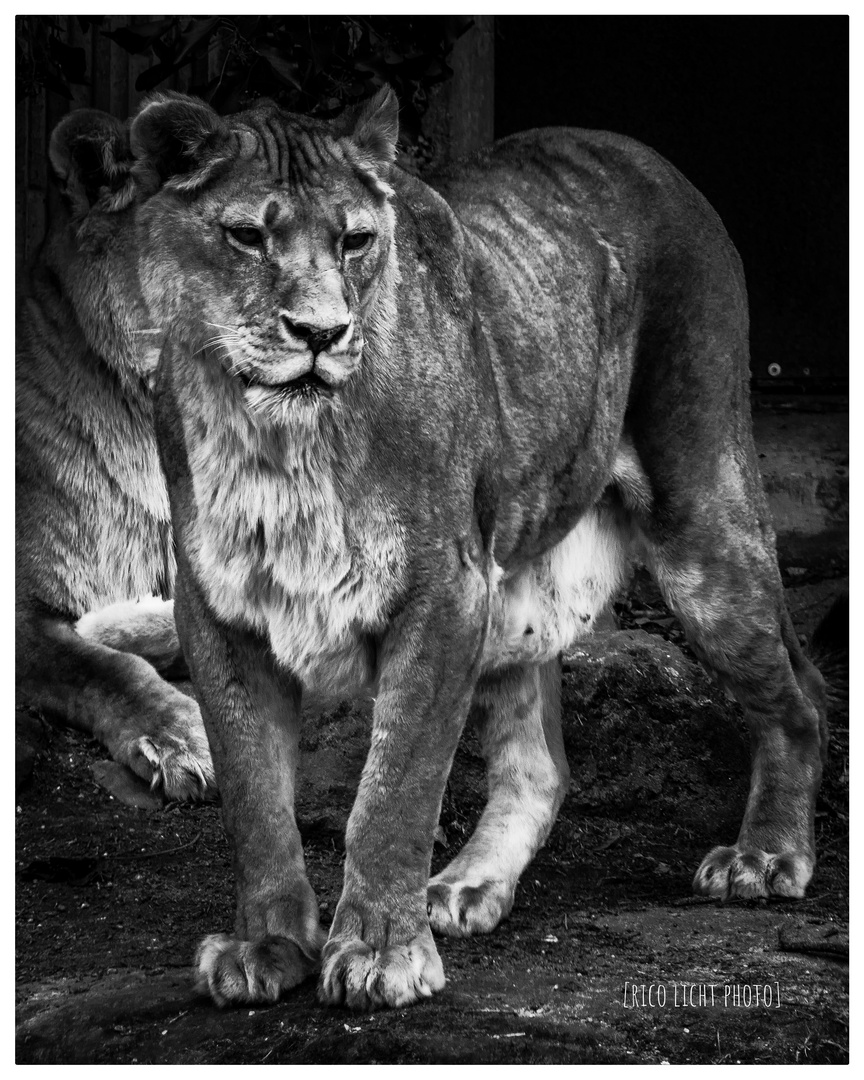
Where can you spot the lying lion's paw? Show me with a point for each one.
(356, 975)
(180, 768)
(459, 910)
(733, 873)
(169, 749)
(249, 972)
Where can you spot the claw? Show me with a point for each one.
(173, 768)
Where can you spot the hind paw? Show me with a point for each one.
(458, 909)
(739, 873)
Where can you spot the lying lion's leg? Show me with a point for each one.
(722, 580)
(119, 699)
(144, 627)
(518, 715)
(252, 714)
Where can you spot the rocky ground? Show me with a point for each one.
(605, 958)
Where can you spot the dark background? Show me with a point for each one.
(754, 111)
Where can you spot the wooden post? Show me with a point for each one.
(37, 174)
(22, 161)
(82, 93)
(461, 113)
(472, 90)
(118, 72)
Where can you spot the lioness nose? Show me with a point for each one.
(316, 337)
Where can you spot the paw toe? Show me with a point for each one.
(789, 876)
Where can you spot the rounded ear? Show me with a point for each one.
(177, 141)
(373, 127)
(90, 154)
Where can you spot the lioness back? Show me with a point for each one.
(571, 227)
(91, 501)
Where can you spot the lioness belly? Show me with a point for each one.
(324, 634)
(546, 606)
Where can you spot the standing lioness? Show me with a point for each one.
(411, 437)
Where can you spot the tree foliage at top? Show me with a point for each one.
(314, 64)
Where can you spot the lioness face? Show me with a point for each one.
(289, 238)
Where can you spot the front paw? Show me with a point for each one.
(175, 768)
(174, 756)
(743, 873)
(362, 977)
(251, 972)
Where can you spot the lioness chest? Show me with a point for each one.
(281, 551)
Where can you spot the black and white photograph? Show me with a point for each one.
(432, 538)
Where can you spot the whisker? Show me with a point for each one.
(209, 345)
(219, 342)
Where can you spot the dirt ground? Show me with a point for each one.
(606, 957)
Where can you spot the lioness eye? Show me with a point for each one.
(246, 235)
(356, 241)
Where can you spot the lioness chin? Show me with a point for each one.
(412, 437)
(93, 533)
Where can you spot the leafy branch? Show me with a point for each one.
(314, 64)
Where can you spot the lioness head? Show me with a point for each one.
(269, 237)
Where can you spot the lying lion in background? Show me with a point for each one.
(92, 523)
(412, 436)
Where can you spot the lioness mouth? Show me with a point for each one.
(310, 384)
